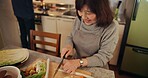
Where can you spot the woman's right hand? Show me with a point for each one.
(68, 48)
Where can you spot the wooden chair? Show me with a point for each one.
(46, 42)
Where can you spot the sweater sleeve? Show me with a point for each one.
(69, 40)
(108, 44)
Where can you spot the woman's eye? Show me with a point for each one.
(88, 12)
(80, 11)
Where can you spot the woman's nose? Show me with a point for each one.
(84, 15)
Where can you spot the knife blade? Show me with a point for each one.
(60, 64)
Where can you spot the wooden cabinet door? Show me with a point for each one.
(49, 24)
(64, 27)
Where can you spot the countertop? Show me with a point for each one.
(60, 14)
(97, 72)
(52, 13)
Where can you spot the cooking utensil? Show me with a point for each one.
(60, 64)
(47, 68)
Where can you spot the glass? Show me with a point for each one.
(85, 13)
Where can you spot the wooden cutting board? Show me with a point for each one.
(61, 74)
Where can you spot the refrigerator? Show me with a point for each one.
(133, 57)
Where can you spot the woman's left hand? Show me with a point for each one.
(70, 66)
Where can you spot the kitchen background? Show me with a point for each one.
(53, 23)
(57, 22)
(9, 27)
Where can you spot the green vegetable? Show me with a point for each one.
(23, 76)
(41, 67)
(38, 75)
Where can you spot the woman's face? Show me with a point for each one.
(88, 17)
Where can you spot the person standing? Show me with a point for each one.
(94, 36)
(23, 10)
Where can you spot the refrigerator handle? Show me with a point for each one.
(137, 2)
(139, 50)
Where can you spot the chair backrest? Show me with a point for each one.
(46, 42)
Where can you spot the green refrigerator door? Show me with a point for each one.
(138, 32)
(135, 62)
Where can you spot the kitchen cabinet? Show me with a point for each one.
(67, 1)
(49, 24)
(38, 27)
(64, 27)
(59, 25)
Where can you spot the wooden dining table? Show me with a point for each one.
(97, 72)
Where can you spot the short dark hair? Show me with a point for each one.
(100, 7)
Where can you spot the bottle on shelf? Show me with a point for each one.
(117, 10)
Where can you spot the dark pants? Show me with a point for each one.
(25, 26)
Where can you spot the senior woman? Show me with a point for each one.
(93, 38)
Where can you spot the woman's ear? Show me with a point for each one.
(79, 13)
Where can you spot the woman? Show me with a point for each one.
(94, 36)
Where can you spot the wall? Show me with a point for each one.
(8, 24)
(129, 8)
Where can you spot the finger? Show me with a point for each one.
(73, 69)
(73, 72)
(68, 54)
(68, 71)
(64, 61)
(63, 52)
(64, 66)
(65, 69)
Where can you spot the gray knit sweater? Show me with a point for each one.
(95, 43)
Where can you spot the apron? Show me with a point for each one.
(86, 43)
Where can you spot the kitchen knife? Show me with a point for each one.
(60, 64)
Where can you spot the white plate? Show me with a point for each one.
(13, 56)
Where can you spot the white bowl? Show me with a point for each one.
(12, 70)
